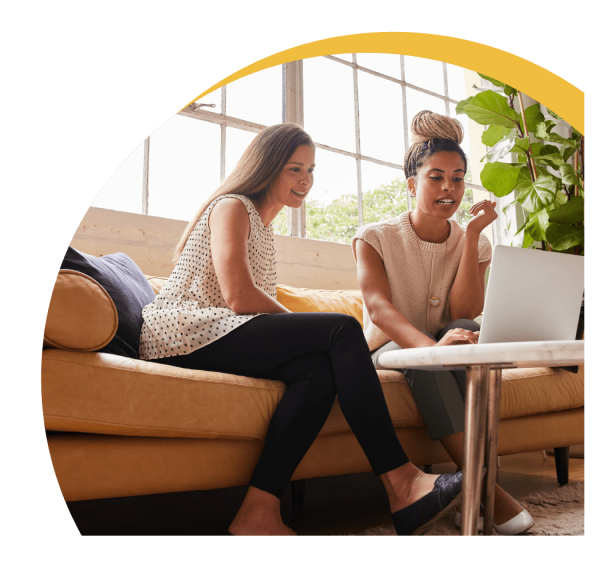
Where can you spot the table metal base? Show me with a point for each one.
(482, 410)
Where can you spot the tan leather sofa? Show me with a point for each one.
(121, 427)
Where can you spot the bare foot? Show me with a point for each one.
(262, 526)
(406, 484)
(505, 507)
(260, 514)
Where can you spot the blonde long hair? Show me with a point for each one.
(259, 166)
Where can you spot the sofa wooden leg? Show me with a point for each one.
(297, 502)
(561, 464)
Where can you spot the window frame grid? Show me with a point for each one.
(224, 120)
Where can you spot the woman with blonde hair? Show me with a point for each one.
(422, 280)
(218, 312)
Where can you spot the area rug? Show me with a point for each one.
(556, 513)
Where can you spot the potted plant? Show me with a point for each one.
(546, 170)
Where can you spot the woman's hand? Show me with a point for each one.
(484, 213)
(458, 336)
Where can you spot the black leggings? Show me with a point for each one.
(318, 356)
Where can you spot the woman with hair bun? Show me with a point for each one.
(218, 311)
(422, 280)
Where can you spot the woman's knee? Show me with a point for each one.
(317, 367)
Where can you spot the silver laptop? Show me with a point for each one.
(532, 295)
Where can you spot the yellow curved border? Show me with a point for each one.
(560, 96)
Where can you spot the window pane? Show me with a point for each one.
(331, 209)
(236, 143)
(212, 98)
(384, 192)
(329, 103)
(456, 84)
(257, 97)
(184, 166)
(425, 73)
(381, 118)
(122, 192)
(464, 120)
(385, 63)
(417, 101)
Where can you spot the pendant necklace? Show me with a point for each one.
(434, 301)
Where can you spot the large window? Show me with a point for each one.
(356, 107)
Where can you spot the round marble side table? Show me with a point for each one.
(483, 364)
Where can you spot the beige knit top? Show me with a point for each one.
(415, 269)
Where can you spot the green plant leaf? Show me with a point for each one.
(500, 178)
(528, 240)
(533, 118)
(495, 133)
(536, 148)
(568, 175)
(553, 160)
(494, 82)
(537, 225)
(570, 212)
(563, 237)
(542, 133)
(507, 89)
(560, 199)
(550, 125)
(502, 148)
(491, 108)
(568, 151)
(553, 114)
(521, 146)
(461, 104)
(537, 195)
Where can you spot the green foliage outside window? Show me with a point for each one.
(338, 222)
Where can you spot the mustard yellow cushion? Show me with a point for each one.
(348, 302)
(157, 282)
(82, 316)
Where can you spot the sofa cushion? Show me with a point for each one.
(107, 394)
(127, 286)
(348, 302)
(81, 316)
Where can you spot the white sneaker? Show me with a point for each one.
(518, 524)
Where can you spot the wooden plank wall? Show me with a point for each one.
(149, 241)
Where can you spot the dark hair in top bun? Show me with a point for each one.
(432, 133)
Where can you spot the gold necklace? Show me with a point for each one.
(434, 301)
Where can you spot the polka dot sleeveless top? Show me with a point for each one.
(190, 311)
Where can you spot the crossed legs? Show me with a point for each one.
(318, 356)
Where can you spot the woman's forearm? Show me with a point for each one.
(255, 301)
(466, 296)
(397, 328)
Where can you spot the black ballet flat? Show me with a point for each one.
(417, 518)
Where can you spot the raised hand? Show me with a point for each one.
(484, 213)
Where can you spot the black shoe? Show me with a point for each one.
(417, 517)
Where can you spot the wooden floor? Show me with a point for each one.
(339, 505)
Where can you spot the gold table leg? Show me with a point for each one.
(491, 448)
(475, 423)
